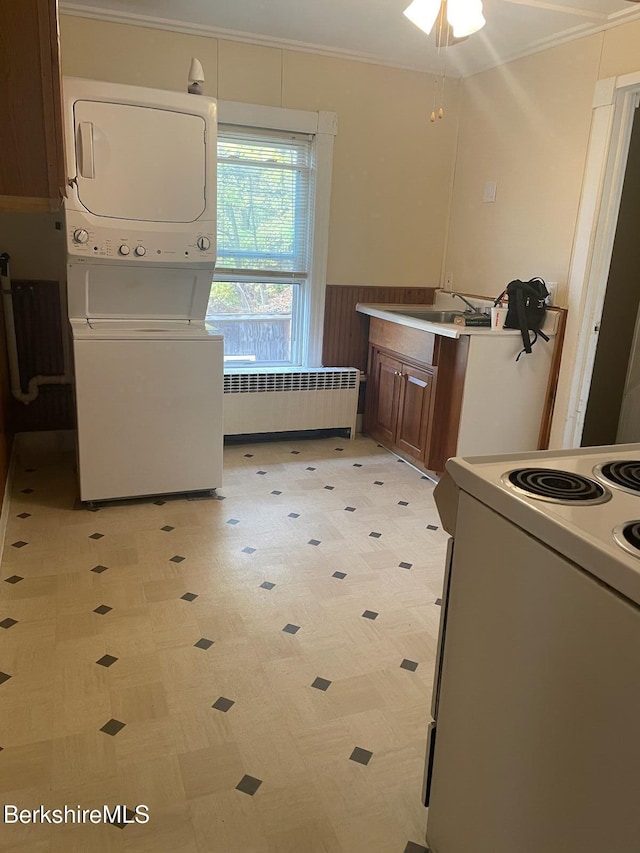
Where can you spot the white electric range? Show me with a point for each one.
(535, 739)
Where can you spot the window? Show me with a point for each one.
(268, 290)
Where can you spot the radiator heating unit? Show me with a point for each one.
(279, 401)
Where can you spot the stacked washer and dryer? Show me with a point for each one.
(141, 249)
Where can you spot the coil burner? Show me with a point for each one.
(627, 536)
(623, 474)
(555, 486)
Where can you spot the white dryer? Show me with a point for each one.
(140, 224)
(142, 175)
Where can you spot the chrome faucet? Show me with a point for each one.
(470, 307)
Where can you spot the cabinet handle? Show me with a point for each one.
(417, 381)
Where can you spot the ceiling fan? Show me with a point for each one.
(456, 20)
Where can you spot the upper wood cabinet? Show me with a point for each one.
(32, 173)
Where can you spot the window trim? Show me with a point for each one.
(323, 126)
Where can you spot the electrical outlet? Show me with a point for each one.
(448, 281)
(552, 287)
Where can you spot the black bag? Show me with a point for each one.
(526, 310)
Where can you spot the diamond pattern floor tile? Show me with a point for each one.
(122, 696)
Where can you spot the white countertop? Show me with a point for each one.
(394, 313)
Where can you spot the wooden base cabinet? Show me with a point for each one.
(382, 410)
(414, 388)
(430, 396)
(399, 409)
(415, 411)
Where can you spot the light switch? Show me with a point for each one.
(489, 191)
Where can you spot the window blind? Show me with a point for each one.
(265, 182)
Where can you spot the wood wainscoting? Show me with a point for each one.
(6, 433)
(346, 332)
(39, 329)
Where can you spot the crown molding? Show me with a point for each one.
(149, 22)
(614, 20)
(77, 10)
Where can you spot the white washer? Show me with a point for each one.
(148, 399)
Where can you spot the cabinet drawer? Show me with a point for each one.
(412, 343)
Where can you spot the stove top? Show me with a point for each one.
(583, 503)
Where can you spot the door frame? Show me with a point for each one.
(614, 104)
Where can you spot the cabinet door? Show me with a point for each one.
(32, 163)
(383, 414)
(414, 416)
(162, 152)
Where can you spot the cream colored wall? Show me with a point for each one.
(35, 244)
(392, 168)
(621, 50)
(524, 125)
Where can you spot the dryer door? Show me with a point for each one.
(140, 163)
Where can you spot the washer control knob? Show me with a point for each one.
(81, 235)
(203, 243)
(140, 251)
(124, 249)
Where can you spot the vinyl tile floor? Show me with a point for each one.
(254, 670)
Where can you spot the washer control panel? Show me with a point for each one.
(183, 244)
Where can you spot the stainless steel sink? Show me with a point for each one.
(430, 315)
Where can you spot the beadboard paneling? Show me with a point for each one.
(346, 332)
(6, 434)
(39, 329)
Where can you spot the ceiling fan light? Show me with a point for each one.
(423, 13)
(465, 16)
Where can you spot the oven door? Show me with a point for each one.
(437, 676)
(428, 764)
(435, 697)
